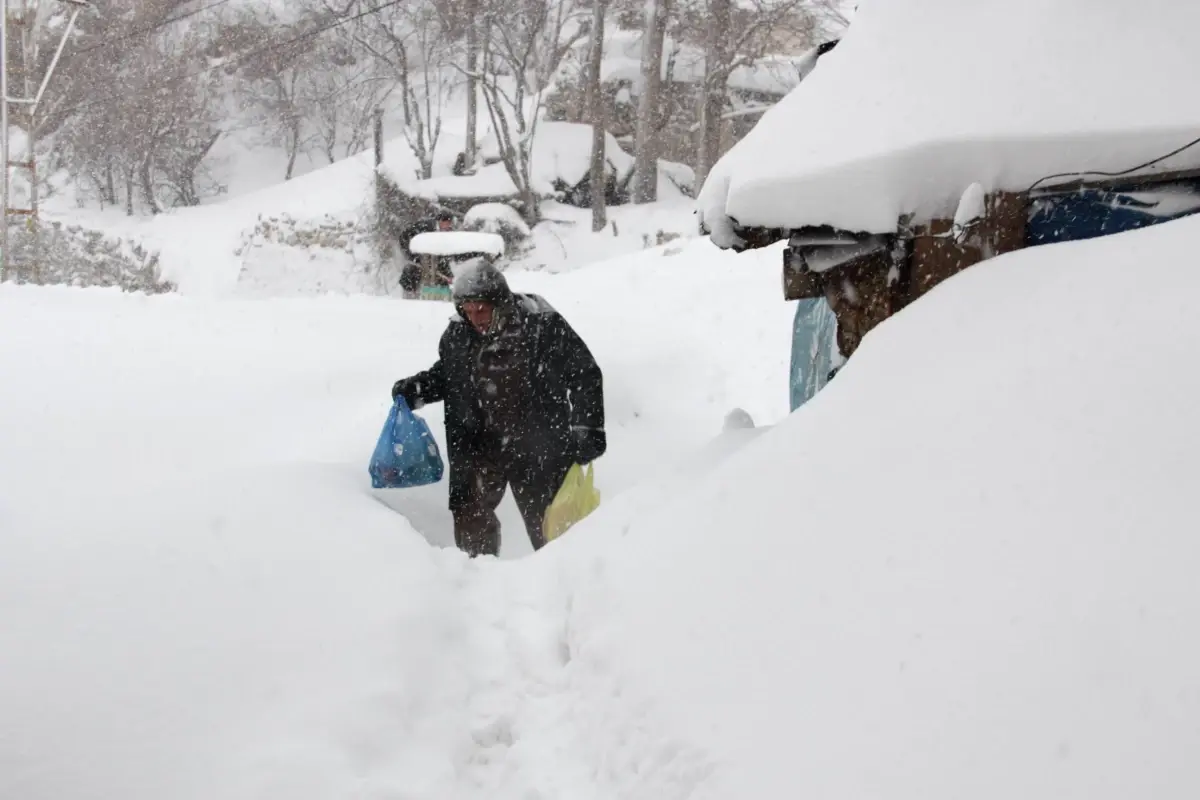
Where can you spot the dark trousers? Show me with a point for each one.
(476, 526)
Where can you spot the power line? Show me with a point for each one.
(244, 56)
(137, 32)
(1122, 173)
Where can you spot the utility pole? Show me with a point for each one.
(382, 245)
(30, 20)
(469, 151)
(28, 64)
(4, 252)
(378, 131)
(714, 88)
(595, 94)
(646, 144)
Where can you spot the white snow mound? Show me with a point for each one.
(948, 575)
(563, 151)
(452, 243)
(560, 154)
(495, 218)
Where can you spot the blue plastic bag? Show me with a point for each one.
(406, 454)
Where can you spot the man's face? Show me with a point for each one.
(444, 224)
(479, 314)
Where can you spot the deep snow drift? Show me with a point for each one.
(201, 595)
(965, 569)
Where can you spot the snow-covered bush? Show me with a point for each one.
(72, 255)
(327, 232)
(500, 219)
(681, 176)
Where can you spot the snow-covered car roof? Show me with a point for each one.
(457, 243)
(922, 98)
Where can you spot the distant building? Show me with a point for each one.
(752, 89)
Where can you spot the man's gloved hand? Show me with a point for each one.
(587, 444)
(410, 390)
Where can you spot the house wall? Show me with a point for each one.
(861, 294)
(861, 298)
(936, 259)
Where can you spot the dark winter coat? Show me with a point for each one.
(550, 417)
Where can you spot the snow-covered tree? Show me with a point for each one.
(154, 132)
(735, 35)
(307, 92)
(524, 46)
(411, 42)
(645, 152)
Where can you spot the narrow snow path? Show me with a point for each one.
(203, 598)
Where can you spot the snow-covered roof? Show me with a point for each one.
(454, 243)
(922, 98)
(490, 181)
(561, 151)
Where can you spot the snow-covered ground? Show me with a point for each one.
(966, 569)
(201, 594)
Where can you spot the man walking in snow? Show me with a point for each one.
(524, 402)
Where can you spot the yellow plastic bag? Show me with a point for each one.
(575, 500)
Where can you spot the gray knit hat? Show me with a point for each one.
(480, 280)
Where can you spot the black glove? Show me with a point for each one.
(410, 390)
(587, 444)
